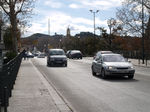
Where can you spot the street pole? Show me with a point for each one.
(49, 27)
(143, 51)
(94, 22)
(111, 22)
(94, 12)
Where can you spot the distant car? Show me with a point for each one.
(75, 54)
(56, 57)
(111, 65)
(41, 55)
(37, 53)
(29, 55)
(68, 53)
(103, 52)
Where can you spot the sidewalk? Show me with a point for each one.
(32, 93)
(136, 62)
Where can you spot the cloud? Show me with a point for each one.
(74, 6)
(53, 4)
(35, 28)
(59, 22)
(98, 4)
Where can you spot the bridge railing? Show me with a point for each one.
(8, 76)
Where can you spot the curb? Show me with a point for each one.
(144, 66)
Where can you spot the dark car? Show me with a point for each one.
(75, 54)
(112, 65)
(68, 53)
(56, 57)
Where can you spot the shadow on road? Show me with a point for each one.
(54, 66)
(117, 79)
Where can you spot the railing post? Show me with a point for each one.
(5, 99)
(0, 105)
(7, 80)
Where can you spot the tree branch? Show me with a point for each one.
(5, 10)
(20, 10)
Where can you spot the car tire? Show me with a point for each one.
(65, 65)
(103, 74)
(93, 73)
(130, 76)
(47, 64)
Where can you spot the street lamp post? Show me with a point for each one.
(59, 43)
(94, 12)
(143, 52)
(111, 22)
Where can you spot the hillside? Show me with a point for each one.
(37, 36)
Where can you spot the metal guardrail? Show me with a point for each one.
(7, 80)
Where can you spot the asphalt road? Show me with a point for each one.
(85, 93)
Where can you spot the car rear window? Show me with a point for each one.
(75, 51)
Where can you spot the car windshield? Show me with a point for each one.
(113, 58)
(57, 52)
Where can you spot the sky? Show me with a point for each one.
(74, 14)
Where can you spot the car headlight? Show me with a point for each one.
(110, 67)
(131, 67)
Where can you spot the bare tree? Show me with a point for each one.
(130, 16)
(17, 11)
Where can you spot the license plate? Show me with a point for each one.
(124, 71)
(58, 61)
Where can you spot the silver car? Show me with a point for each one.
(41, 55)
(112, 64)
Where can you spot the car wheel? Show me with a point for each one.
(103, 74)
(130, 76)
(47, 64)
(65, 65)
(93, 73)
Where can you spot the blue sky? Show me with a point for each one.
(72, 13)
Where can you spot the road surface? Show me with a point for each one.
(86, 93)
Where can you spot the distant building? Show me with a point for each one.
(68, 32)
(84, 34)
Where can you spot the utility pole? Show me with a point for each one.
(94, 12)
(111, 22)
(49, 27)
(143, 35)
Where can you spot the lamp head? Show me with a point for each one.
(91, 10)
(97, 11)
